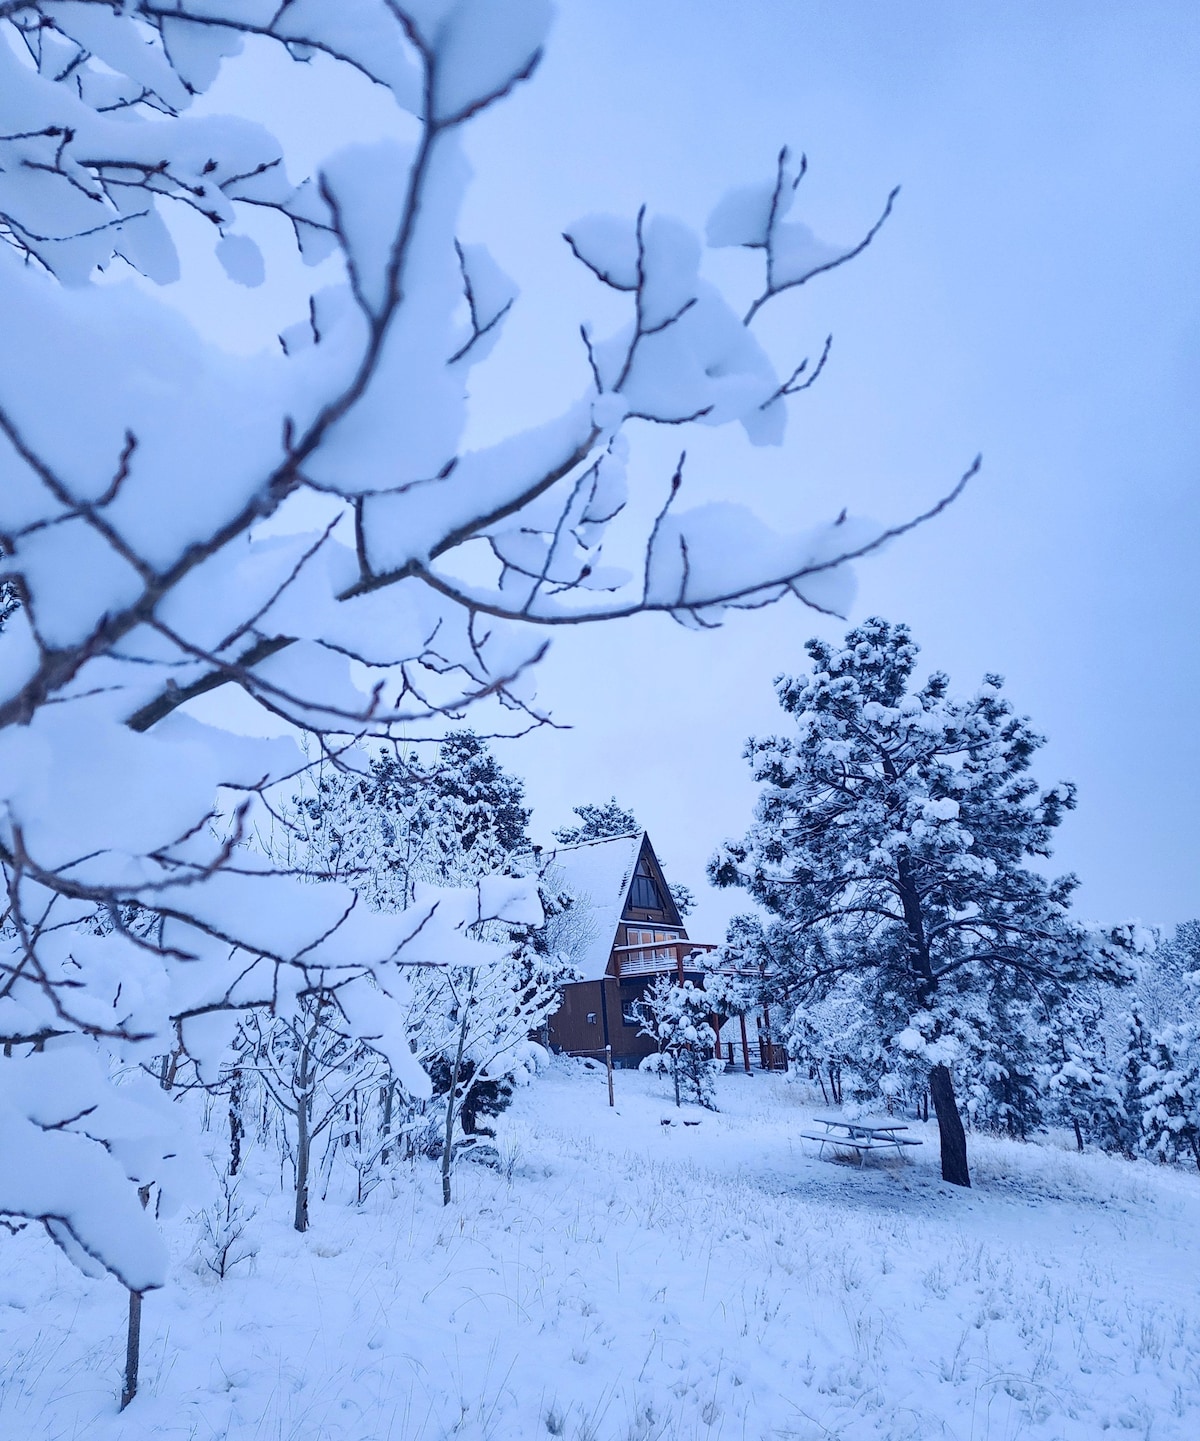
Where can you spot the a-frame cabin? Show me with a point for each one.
(638, 935)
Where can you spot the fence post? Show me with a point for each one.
(608, 1064)
(745, 1044)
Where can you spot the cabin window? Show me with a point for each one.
(632, 1012)
(655, 943)
(644, 894)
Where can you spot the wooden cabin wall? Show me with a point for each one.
(570, 1030)
(569, 1027)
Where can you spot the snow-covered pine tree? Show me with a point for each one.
(1135, 1067)
(999, 1027)
(1168, 1053)
(1081, 1088)
(597, 823)
(1170, 1089)
(1169, 977)
(677, 1018)
(891, 836)
(9, 600)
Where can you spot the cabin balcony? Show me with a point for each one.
(660, 958)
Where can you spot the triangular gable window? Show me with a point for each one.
(644, 894)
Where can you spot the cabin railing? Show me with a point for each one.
(658, 958)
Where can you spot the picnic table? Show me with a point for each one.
(859, 1137)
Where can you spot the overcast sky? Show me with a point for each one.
(1035, 297)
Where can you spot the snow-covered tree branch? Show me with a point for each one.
(138, 463)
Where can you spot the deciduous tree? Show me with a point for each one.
(139, 461)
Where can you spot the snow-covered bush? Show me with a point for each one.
(223, 1242)
(138, 463)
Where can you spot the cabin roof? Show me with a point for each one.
(599, 874)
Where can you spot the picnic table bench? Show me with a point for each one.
(859, 1137)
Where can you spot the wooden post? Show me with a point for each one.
(679, 961)
(608, 1063)
(745, 1044)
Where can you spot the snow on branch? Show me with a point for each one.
(138, 463)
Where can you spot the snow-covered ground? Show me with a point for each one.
(624, 1280)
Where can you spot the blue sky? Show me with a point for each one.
(1035, 297)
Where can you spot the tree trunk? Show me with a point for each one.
(133, 1336)
(1078, 1133)
(303, 1139)
(237, 1127)
(133, 1349)
(950, 1128)
(941, 1087)
(448, 1146)
(386, 1095)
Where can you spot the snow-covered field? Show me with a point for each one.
(624, 1280)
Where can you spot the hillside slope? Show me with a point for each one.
(625, 1280)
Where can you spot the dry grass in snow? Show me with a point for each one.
(622, 1280)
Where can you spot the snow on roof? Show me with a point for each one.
(599, 874)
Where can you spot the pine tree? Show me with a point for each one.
(401, 822)
(1170, 1088)
(597, 823)
(1000, 1026)
(1135, 1066)
(1079, 1083)
(677, 1018)
(10, 600)
(1169, 978)
(891, 836)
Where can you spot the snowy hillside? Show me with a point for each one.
(625, 1280)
